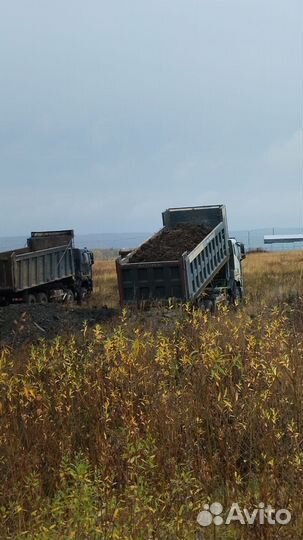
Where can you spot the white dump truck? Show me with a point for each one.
(202, 274)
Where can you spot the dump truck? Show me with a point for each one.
(49, 269)
(202, 265)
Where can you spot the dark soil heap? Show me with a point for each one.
(170, 244)
(22, 324)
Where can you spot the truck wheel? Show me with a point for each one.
(207, 305)
(236, 295)
(42, 298)
(30, 299)
(69, 297)
(84, 293)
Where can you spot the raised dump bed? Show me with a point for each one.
(25, 269)
(180, 260)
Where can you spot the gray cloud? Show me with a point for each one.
(111, 112)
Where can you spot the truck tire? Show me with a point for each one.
(30, 299)
(207, 304)
(84, 293)
(69, 297)
(42, 298)
(236, 295)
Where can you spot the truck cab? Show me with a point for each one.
(84, 260)
(237, 254)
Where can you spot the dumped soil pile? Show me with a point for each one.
(21, 324)
(170, 244)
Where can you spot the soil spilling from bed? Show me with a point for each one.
(22, 324)
(170, 244)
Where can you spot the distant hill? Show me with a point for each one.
(91, 241)
(252, 239)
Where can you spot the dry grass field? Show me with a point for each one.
(105, 284)
(272, 277)
(125, 430)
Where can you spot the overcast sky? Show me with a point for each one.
(112, 111)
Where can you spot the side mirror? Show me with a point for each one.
(242, 249)
(92, 258)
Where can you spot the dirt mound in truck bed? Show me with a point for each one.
(170, 244)
(22, 324)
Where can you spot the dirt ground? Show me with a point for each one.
(22, 324)
(171, 243)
